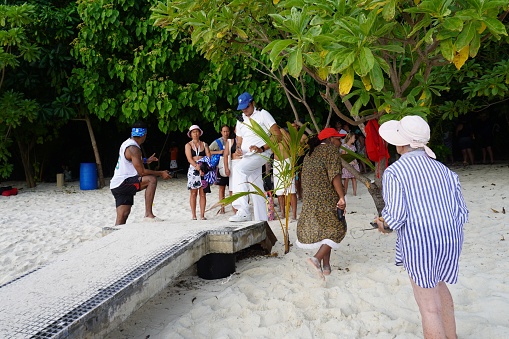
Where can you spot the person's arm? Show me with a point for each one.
(215, 149)
(150, 159)
(239, 146)
(338, 186)
(226, 157)
(276, 133)
(133, 154)
(382, 225)
(462, 207)
(207, 150)
(189, 157)
(304, 140)
(395, 212)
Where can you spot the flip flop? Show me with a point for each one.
(326, 270)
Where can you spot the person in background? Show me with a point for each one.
(465, 137)
(319, 225)
(219, 146)
(348, 142)
(298, 172)
(428, 218)
(174, 151)
(360, 145)
(254, 152)
(195, 150)
(231, 158)
(338, 125)
(282, 192)
(346, 128)
(67, 173)
(448, 143)
(486, 137)
(131, 176)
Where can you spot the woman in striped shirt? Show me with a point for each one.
(424, 204)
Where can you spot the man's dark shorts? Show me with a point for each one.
(124, 194)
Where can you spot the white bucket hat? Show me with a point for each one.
(411, 130)
(193, 128)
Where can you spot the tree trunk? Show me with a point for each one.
(374, 187)
(96, 152)
(27, 166)
(376, 193)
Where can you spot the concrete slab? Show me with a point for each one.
(93, 288)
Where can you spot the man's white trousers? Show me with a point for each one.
(246, 172)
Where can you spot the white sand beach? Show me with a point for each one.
(366, 296)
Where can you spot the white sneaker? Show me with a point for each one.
(240, 217)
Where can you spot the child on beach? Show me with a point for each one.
(348, 142)
(360, 144)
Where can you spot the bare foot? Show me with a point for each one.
(315, 268)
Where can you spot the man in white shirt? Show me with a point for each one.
(131, 176)
(255, 153)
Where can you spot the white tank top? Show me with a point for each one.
(125, 168)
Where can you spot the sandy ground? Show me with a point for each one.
(366, 296)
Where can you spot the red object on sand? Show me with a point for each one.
(12, 191)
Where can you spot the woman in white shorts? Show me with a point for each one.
(230, 159)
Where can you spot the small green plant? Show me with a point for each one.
(289, 147)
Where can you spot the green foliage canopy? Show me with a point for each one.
(132, 70)
(15, 46)
(377, 55)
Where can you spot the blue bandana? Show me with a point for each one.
(138, 132)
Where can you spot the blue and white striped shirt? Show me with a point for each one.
(424, 203)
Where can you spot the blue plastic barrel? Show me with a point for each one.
(88, 176)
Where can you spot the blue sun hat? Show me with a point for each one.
(244, 100)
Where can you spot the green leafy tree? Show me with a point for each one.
(370, 59)
(15, 46)
(131, 70)
(45, 82)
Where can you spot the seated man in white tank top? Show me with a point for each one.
(131, 176)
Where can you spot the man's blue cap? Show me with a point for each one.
(138, 132)
(244, 100)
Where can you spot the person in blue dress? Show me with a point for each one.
(425, 206)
